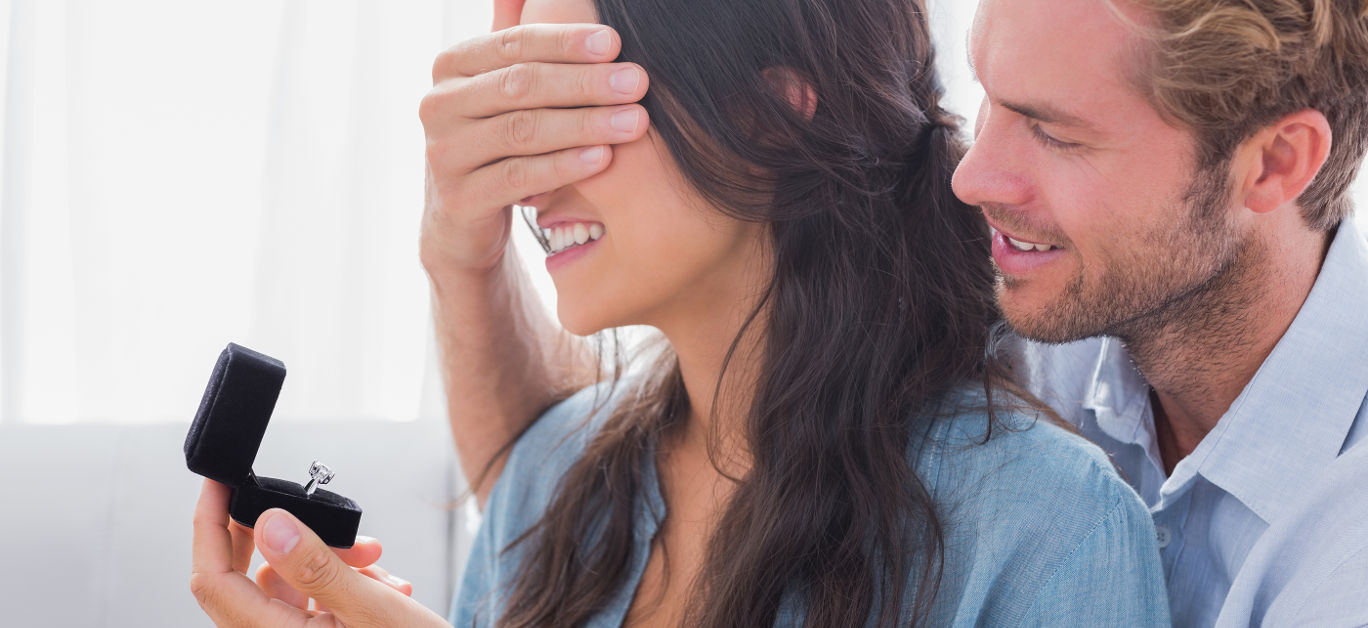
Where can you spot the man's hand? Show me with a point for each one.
(348, 588)
(513, 114)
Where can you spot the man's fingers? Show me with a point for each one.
(542, 131)
(507, 13)
(542, 85)
(508, 181)
(546, 43)
(531, 86)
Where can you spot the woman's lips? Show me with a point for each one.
(559, 259)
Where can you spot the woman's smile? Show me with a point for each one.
(567, 238)
(566, 235)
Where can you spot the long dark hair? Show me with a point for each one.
(880, 303)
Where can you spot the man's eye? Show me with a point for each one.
(1050, 142)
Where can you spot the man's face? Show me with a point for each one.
(1072, 165)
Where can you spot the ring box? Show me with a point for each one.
(224, 438)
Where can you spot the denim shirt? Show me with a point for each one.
(1266, 521)
(1038, 527)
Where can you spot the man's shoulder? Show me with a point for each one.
(1311, 564)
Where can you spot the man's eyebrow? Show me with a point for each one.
(1049, 115)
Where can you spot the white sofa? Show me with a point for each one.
(95, 520)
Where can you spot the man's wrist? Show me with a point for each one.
(448, 277)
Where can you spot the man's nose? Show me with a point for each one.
(994, 171)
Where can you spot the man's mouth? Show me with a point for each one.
(1024, 245)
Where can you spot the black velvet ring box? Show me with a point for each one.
(224, 438)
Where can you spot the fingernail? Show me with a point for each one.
(625, 120)
(625, 80)
(599, 42)
(394, 581)
(281, 534)
(592, 155)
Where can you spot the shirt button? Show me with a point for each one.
(1162, 534)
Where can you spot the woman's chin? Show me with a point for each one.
(580, 323)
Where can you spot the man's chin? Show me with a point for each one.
(1051, 321)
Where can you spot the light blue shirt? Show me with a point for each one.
(1266, 522)
(1039, 529)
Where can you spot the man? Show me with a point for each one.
(1170, 179)
(1167, 181)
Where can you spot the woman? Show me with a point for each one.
(824, 441)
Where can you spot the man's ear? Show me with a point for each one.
(1279, 162)
(794, 88)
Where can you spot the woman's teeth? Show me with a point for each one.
(567, 235)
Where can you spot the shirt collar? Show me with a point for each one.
(1293, 416)
(1117, 394)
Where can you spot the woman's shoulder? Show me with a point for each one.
(555, 440)
(1037, 521)
(566, 427)
(524, 490)
(541, 457)
(971, 449)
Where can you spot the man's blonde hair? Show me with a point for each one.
(1226, 68)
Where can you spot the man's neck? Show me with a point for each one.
(1198, 365)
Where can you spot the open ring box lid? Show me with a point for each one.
(224, 438)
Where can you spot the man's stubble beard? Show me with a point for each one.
(1194, 281)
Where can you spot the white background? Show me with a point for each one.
(175, 176)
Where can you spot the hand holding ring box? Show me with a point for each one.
(223, 442)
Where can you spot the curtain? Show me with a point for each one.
(180, 175)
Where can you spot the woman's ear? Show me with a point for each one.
(793, 88)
